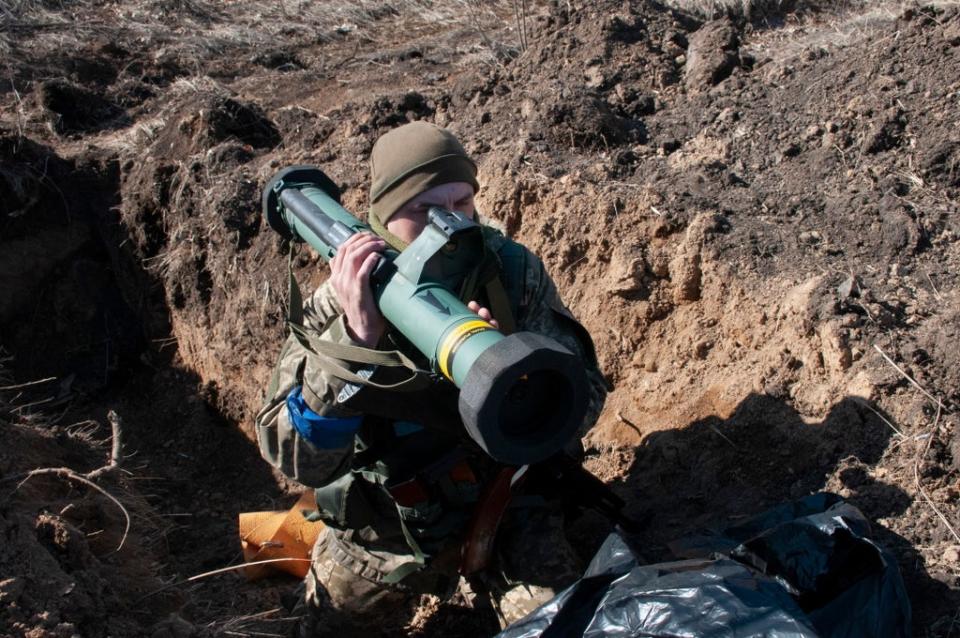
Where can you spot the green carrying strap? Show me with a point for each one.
(500, 306)
(327, 352)
(377, 226)
(419, 558)
(486, 276)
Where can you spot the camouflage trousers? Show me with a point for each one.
(345, 592)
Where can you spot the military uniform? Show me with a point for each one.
(398, 489)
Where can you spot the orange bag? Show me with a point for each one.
(273, 535)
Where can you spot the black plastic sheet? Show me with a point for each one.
(799, 570)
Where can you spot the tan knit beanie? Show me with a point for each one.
(411, 159)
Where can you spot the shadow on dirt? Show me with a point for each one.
(79, 307)
(716, 472)
(72, 109)
(78, 304)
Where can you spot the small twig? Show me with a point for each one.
(257, 616)
(523, 9)
(574, 263)
(27, 385)
(866, 404)
(222, 570)
(629, 423)
(916, 476)
(233, 568)
(866, 311)
(936, 293)
(723, 436)
(516, 15)
(20, 408)
(347, 59)
(250, 632)
(906, 376)
(475, 16)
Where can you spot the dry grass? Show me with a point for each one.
(758, 10)
(5, 381)
(710, 9)
(201, 29)
(14, 407)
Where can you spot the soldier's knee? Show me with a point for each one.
(342, 589)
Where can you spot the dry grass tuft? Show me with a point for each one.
(757, 10)
(195, 30)
(5, 380)
(14, 407)
(710, 9)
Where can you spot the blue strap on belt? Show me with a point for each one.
(327, 433)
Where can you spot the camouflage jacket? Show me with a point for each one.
(402, 434)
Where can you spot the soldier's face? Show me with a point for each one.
(410, 220)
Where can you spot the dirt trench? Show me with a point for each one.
(753, 233)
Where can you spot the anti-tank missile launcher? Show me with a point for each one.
(522, 396)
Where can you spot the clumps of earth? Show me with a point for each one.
(755, 215)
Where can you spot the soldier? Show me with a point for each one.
(395, 487)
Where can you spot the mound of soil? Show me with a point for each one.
(758, 226)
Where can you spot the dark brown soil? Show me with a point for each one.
(750, 221)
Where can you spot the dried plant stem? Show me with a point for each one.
(233, 568)
(916, 476)
(523, 12)
(222, 570)
(20, 386)
(906, 376)
(932, 433)
(936, 293)
(519, 12)
(866, 404)
(723, 436)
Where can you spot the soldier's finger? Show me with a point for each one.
(363, 274)
(360, 250)
(360, 241)
(473, 306)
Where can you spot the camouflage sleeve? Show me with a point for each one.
(543, 312)
(281, 444)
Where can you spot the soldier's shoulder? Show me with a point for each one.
(497, 241)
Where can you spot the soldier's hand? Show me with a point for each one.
(484, 313)
(350, 278)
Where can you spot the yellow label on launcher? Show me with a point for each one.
(455, 339)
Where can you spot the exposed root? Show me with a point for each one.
(88, 478)
(115, 449)
(67, 473)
